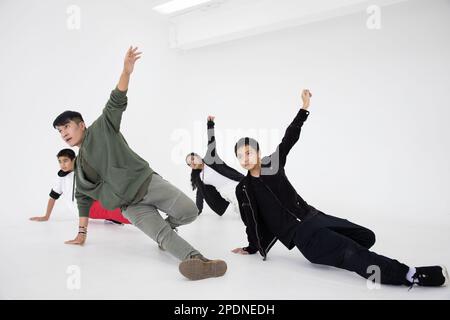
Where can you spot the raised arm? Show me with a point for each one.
(131, 57)
(292, 133)
(211, 153)
(117, 102)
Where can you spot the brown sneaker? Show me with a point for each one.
(198, 267)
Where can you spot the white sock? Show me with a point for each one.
(409, 275)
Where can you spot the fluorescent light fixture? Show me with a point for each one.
(177, 5)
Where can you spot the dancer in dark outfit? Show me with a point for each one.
(214, 180)
(272, 210)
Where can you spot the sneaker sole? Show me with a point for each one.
(196, 269)
(445, 274)
(113, 223)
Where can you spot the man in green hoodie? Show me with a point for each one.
(107, 170)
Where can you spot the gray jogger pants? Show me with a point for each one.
(181, 210)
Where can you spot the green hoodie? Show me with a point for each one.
(106, 169)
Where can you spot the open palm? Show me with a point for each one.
(130, 58)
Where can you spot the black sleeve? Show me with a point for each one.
(291, 136)
(211, 153)
(252, 247)
(199, 201)
(54, 195)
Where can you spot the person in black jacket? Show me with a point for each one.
(272, 210)
(214, 180)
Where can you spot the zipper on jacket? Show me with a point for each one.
(254, 219)
(296, 218)
(271, 244)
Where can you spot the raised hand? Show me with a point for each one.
(128, 66)
(306, 98)
(130, 58)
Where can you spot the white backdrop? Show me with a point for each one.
(375, 148)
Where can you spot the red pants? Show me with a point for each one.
(98, 212)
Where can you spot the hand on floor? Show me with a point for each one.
(239, 251)
(43, 218)
(79, 240)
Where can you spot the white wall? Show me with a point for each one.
(375, 145)
(47, 68)
(377, 140)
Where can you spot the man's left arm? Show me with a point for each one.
(292, 133)
(118, 101)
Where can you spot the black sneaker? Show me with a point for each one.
(435, 276)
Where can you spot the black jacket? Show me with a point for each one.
(273, 176)
(208, 192)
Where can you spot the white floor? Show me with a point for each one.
(122, 263)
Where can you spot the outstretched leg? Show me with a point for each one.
(361, 235)
(333, 249)
(181, 210)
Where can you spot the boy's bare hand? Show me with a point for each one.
(43, 218)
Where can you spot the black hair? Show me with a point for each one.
(195, 175)
(67, 116)
(246, 141)
(69, 153)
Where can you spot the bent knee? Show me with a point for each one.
(190, 213)
(370, 239)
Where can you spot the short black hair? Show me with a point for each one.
(69, 153)
(246, 141)
(67, 116)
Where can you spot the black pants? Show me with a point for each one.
(327, 240)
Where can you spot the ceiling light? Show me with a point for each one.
(178, 5)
